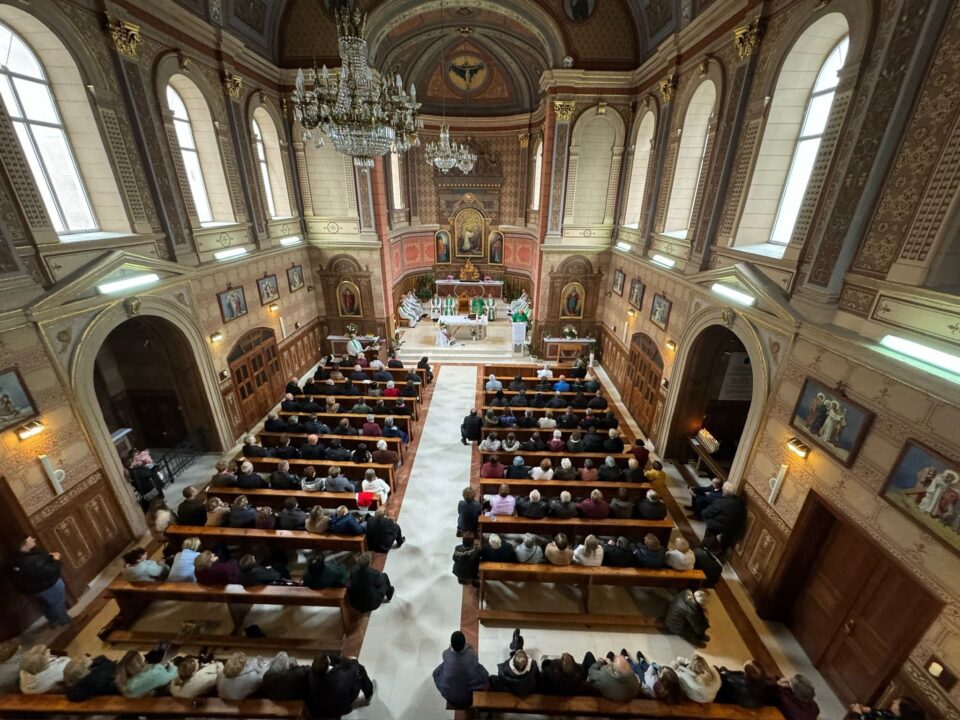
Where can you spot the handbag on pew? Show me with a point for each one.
(365, 500)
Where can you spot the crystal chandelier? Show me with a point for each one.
(445, 155)
(364, 117)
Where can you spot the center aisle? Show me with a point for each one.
(406, 637)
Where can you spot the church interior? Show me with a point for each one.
(685, 274)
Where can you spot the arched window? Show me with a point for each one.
(262, 164)
(36, 119)
(266, 141)
(191, 158)
(638, 173)
(792, 135)
(396, 187)
(691, 159)
(537, 170)
(808, 143)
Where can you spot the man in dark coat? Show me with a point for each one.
(37, 572)
(312, 449)
(191, 510)
(466, 560)
(273, 423)
(337, 452)
(710, 565)
(685, 617)
(288, 404)
(335, 682)
(651, 507)
(283, 479)
(460, 672)
(472, 428)
(532, 507)
(313, 426)
(369, 588)
(563, 676)
(725, 517)
(569, 420)
(618, 553)
(293, 387)
(598, 401)
(383, 532)
(99, 680)
(251, 448)
(592, 442)
(496, 550)
(519, 675)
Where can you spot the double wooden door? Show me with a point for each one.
(644, 373)
(257, 375)
(858, 614)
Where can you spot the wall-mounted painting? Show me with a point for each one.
(295, 277)
(495, 248)
(831, 421)
(16, 405)
(660, 311)
(579, 9)
(619, 278)
(348, 300)
(442, 241)
(637, 289)
(468, 233)
(571, 300)
(233, 304)
(925, 486)
(269, 289)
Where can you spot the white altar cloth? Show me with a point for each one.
(455, 322)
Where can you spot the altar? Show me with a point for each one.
(472, 288)
(456, 322)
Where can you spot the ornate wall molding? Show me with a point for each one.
(125, 37)
(564, 110)
(747, 39)
(668, 89)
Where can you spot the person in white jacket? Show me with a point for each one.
(41, 672)
(194, 680)
(241, 676)
(590, 553)
(680, 557)
(699, 680)
(373, 484)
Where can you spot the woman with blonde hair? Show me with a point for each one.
(318, 522)
(699, 680)
(210, 570)
(195, 680)
(159, 517)
(41, 672)
(217, 512)
(137, 678)
(242, 514)
(241, 676)
(182, 568)
(680, 557)
(590, 553)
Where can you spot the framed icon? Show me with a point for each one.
(348, 300)
(660, 311)
(16, 405)
(269, 289)
(295, 278)
(233, 304)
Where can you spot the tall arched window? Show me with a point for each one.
(808, 143)
(36, 119)
(191, 158)
(396, 186)
(792, 136)
(638, 173)
(537, 170)
(262, 164)
(691, 159)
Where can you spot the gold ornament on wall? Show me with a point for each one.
(746, 39)
(125, 36)
(232, 84)
(524, 140)
(668, 88)
(564, 109)
(602, 108)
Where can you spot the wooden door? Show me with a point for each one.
(644, 373)
(257, 375)
(243, 382)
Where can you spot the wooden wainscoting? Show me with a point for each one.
(301, 350)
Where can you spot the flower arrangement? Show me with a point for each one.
(450, 277)
(570, 332)
(487, 278)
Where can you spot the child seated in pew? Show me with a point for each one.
(139, 568)
(344, 523)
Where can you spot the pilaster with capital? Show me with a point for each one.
(562, 115)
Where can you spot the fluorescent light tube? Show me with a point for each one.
(230, 253)
(663, 261)
(623, 246)
(128, 283)
(732, 294)
(922, 353)
(292, 240)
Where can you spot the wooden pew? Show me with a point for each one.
(332, 419)
(523, 369)
(289, 539)
(354, 471)
(540, 412)
(525, 433)
(398, 373)
(577, 527)
(134, 598)
(16, 705)
(535, 457)
(347, 401)
(587, 706)
(585, 577)
(552, 488)
(270, 439)
(321, 398)
(275, 498)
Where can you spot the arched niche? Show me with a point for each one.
(596, 150)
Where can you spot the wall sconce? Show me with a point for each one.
(798, 447)
(216, 337)
(946, 679)
(274, 307)
(631, 312)
(671, 345)
(34, 427)
(776, 483)
(296, 325)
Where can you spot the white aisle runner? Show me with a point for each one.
(405, 638)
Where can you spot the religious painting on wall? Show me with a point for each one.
(571, 300)
(925, 486)
(495, 248)
(637, 289)
(660, 311)
(619, 277)
(831, 421)
(295, 277)
(233, 304)
(468, 233)
(441, 241)
(16, 405)
(269, 289)
(467, 72)
(348, 300)
(579, 9)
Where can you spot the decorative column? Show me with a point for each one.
(670, 141)
(246, 202)
(563, 111)
(300, 155)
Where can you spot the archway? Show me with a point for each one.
(644, 374)
(720, 384)
(147, 382)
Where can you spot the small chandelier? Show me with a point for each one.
(364, 117)
(445, 155)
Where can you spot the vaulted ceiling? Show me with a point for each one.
(494, 51)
